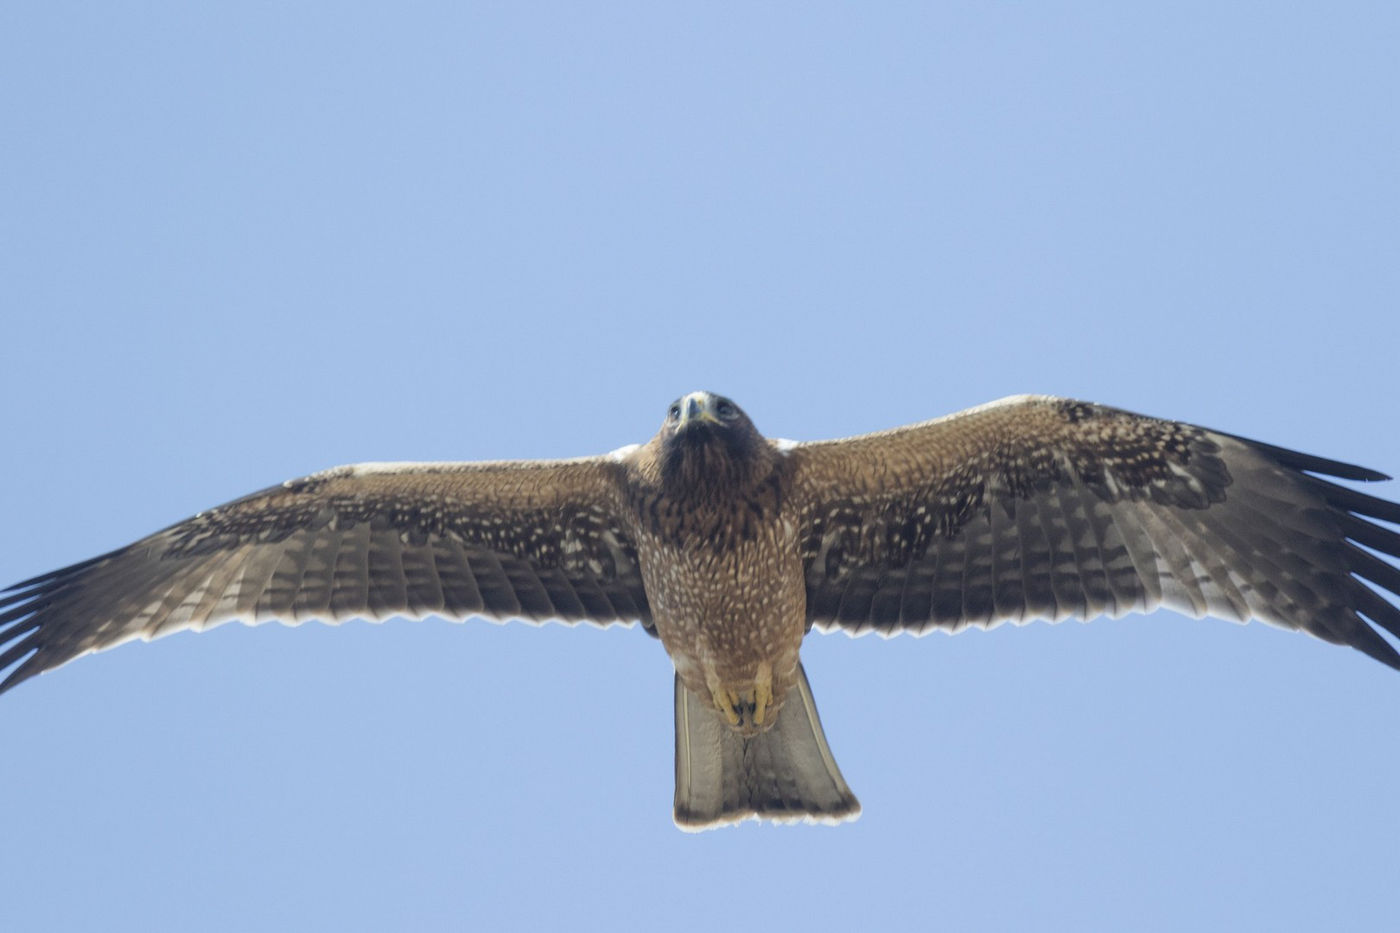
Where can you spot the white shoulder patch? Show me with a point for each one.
(622, 453)
(368, 469)
(784, 445)
(1007, 401)
(373, 468)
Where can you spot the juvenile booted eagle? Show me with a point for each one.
(729, 547)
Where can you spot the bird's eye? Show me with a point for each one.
(726, 409)
(673, 413)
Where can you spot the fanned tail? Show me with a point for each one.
(786, 774)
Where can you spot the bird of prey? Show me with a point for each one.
(730, 547)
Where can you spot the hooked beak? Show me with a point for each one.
(696, 408)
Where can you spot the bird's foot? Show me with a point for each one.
(748, 708)
(729, 704)
(762, 692)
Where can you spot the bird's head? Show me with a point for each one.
(706, 438)
(700, 414)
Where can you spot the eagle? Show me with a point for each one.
(730, 547)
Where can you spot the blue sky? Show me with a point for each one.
(244, 244)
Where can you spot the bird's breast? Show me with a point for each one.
(728, 597)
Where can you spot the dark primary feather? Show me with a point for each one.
(1038, 508)
(509, 540)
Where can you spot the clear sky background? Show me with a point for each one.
(241, 245)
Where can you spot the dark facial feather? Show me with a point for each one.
(703, 456)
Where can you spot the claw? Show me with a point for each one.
(727, 702)
(750, 707)
(762, 692)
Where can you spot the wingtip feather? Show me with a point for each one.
(1311, 463)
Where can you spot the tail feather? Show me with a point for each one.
(785, 774)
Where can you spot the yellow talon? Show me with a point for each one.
(747, 708)
(762, 693)
(727, 702)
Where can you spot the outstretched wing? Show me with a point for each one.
(1036, 507)
(532, 540)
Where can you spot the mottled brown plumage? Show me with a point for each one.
(729, 547)
(720, 563)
